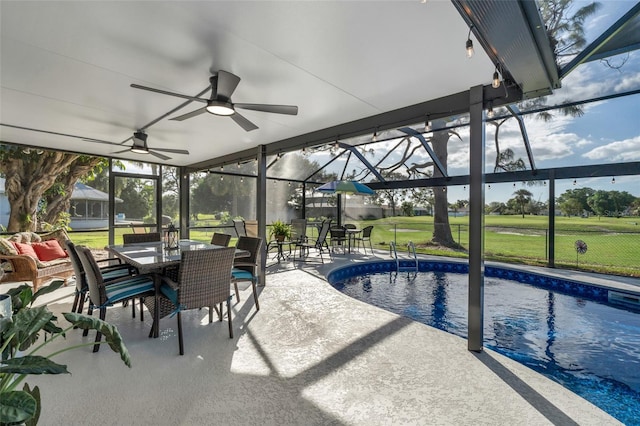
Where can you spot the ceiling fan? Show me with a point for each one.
(139, 146)
(223, 84)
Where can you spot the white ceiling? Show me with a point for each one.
(66, 67)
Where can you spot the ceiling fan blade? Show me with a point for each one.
(243, 122)
(190, 114)
(99, 141)
(120, 152)
(164, 92)
(278, 109)
(157, 154)
(175, 151)
(126, 140)
(107, 142)
(227, 83)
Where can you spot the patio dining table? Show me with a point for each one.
(154, 257)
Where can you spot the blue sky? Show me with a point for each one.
(608, 132)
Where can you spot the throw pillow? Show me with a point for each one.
(25, 249)
(49, 250)
(7, 248)
(59, 234)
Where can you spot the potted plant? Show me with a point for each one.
(19, 331)
(280, 230)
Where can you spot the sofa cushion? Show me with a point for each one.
(7, 248)
(49, 250)
(59, 234)
(25, 248)
(62, 262)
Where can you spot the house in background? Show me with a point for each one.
(89, 207)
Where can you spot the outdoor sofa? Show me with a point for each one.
(28, 256)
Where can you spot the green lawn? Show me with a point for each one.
(613, 243)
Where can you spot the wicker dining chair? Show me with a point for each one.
(240, 228)
(245, 268)
(149, 237)
(109, 272)
(203, 281)
(103, 294)
(220, 239)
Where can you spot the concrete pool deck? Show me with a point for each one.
(310, 356)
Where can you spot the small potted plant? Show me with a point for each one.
(280, 231)
(20, 346)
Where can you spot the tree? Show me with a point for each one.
(407, 208)
(170, 191)
(58, 198)
(495, 207)
(505, 160)
(566, 31)
(30, 173)
(535, 207)
(422, 197)
(210, 194)
(137, 199)
(392, 197)
(522, 198)
(576, 197)
(441, 227)
(571, 207)
(610, 203)
(634, 208)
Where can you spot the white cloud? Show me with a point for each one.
(629, 82)
(626, 150)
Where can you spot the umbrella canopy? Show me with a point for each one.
(345, 187)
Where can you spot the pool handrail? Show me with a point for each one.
(393, 252)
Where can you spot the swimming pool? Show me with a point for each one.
(562, 329)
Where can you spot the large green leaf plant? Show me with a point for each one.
(21, 345)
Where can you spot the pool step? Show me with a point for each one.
(624, 299)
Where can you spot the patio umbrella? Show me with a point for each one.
(345, 187)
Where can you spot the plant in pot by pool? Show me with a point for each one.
(21, 346)
(280, 230)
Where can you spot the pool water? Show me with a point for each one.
(589, 347)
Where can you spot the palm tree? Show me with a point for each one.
(522, 197)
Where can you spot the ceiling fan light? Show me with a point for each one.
(220, 108)
(140, 143)
(139, 150)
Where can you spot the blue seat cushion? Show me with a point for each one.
(240, 274)
(128, 288)
(116, 273)
(170, 293)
